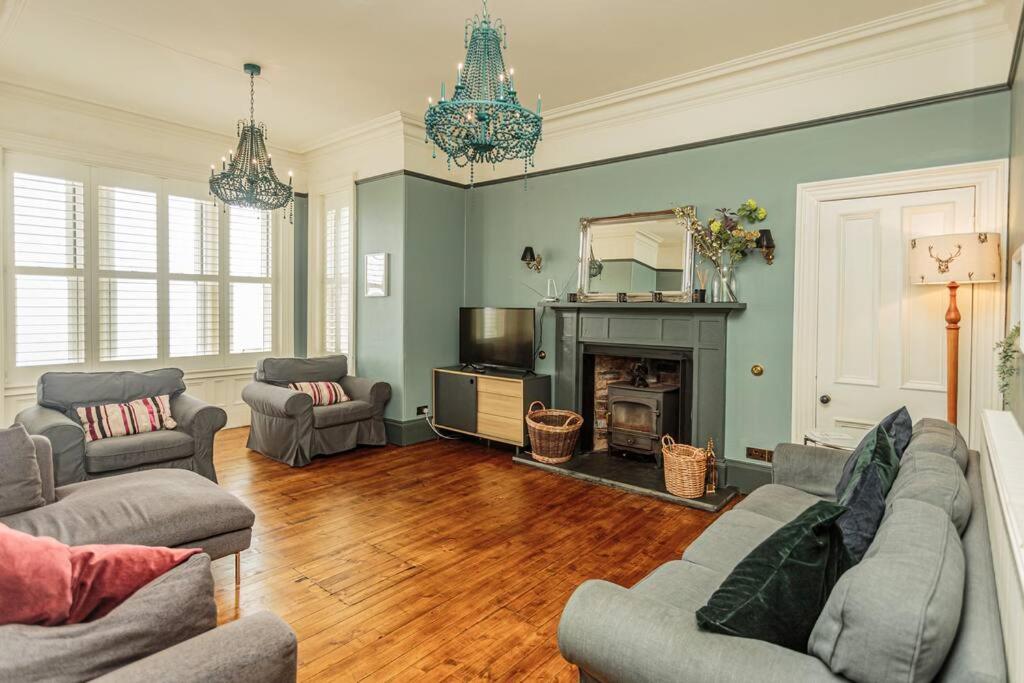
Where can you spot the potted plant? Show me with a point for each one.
(723, 242)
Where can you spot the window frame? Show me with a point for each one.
(345, 189)
(92, 177)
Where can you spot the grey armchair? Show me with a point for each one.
(287, 426)
(188, 446)
(166, 631)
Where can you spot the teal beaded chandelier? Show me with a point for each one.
(247, 178)
(483, 121)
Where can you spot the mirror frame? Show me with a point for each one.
(583, 289)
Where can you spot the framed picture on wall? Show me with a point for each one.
(375, 274)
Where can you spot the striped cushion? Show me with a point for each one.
(323, 393)
(122, 419)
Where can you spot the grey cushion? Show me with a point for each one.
(730, 539)
(893, 617)
(66, 391)
(977, 653)
(44, 458)
(939, 436)
(170, 609)
(680, 583)
(123, 452)
(935, 479)
(286, 370)
(341, 413)
(259, 648)
(21, 486)
(158, 507)
(781, 503)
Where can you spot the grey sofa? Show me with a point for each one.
(172, 508)
(921, 605)
(287, 426)
(188, 446)
(166, 631)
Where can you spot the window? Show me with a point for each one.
(250, 281)
(337, 273)
(193, 290)
(109, 269)
(49, 268)
(127, 287)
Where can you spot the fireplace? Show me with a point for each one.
(638, 417)
(628, 421)
(684, 347)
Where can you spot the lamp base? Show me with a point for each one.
(952, 353)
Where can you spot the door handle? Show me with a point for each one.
(825, 399)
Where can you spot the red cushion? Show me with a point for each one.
(44, 582)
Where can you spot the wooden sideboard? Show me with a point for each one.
(490, 404)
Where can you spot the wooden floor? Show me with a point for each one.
(438, 561)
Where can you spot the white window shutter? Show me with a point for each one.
(127, 303)
(251, 293)
(193, 303)
(337, 269)
(49, 263)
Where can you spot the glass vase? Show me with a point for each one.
(723, 284)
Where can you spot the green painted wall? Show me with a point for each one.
(400, 337)
(435, 218)
(300, 260)
(503, 218)
(380, 337)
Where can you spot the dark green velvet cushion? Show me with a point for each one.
(874, 471)
(777, 591)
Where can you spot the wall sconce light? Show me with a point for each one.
(766, 244)
(531, 259)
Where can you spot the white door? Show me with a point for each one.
(882, 341)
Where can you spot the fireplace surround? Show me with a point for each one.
(693, 336)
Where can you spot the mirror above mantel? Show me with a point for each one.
(635, 254)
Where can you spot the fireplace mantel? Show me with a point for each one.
(616, 306)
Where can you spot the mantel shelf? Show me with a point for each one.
(648, 304)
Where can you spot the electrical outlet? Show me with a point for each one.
(762, 454)
(421, 410)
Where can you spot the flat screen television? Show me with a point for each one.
(497, 337)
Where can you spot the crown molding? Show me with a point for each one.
(951, 46)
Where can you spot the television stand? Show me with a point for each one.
(489, 405)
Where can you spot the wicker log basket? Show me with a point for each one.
(685, 468)
(553, 433)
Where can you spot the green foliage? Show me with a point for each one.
(724, 233)
(1007, 367)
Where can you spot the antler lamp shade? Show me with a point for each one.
(964, 258)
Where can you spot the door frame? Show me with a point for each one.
(990, 180)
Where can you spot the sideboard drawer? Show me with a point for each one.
(490, 385)
(505, 428)
(499, 404)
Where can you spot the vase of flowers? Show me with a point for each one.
(723, 242)
(723, 286)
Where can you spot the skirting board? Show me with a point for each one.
(747, 475)
(408, 432)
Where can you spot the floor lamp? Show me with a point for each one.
(964, 258)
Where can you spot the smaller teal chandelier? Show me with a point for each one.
(247, 178)
(483, 121)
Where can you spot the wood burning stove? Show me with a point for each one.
(639, 416)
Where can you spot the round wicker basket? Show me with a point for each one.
(553, 433)
(685, 468)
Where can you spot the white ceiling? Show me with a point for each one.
(333, 64)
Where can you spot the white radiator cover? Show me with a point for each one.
(1002, 469)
